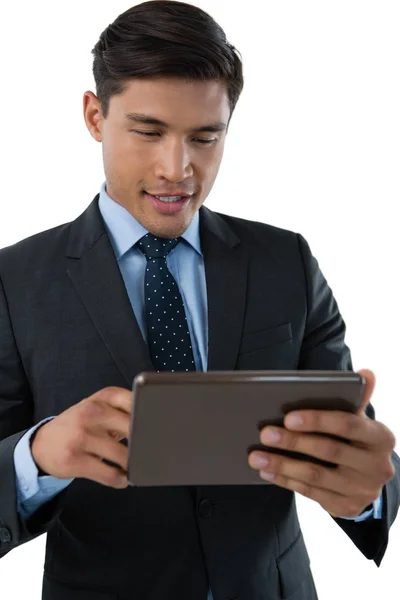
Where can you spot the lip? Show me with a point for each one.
(168, 208)
(163, 195)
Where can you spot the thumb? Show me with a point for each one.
(369, 388)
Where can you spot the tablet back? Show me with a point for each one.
(197, 428)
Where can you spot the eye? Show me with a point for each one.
(155, 133)
(146, 133)
(206, 141)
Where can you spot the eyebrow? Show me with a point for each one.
(149, 120)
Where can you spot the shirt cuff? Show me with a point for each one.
(26, 470)
(375, 512)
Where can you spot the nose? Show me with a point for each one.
(174, 162)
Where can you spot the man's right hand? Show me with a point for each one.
(74, 443)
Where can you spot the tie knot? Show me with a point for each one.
(156, 247)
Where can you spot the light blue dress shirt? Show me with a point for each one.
(187, 266)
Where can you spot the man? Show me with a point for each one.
(78, 322)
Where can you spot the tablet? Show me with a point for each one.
(197, 428)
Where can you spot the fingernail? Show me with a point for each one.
(267, 476)
(259, 461)
(271, 435)
(294, 420)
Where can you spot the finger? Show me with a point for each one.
(104, 447)
(100, 417)
(91, 467)
(342, 480)
(117, 397)
(336, 504)
(352, 427)
(369, 388)
(324, 448)
(117, 436)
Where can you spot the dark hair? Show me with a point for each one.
(164, 38)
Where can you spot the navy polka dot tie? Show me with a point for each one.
(167, 328)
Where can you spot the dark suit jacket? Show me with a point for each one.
(67, 329)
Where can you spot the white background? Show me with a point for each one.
(313, 147)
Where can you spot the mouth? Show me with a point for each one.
(168, 205)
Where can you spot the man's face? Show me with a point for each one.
(174, 158)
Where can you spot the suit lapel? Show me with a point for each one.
(226, 263)
(95, 274)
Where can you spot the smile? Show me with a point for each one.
(168, 205)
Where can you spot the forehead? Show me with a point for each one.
(176, 101)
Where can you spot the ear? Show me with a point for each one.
(369, 388)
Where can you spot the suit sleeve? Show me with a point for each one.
(323, 347)
(16, 418)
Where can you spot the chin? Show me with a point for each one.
(166, 230)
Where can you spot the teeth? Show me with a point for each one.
(168, 198)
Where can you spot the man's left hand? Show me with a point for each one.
(364, 464)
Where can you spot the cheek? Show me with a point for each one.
(213, 165)
(208, 161)
(124, 155)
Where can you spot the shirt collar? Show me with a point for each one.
(124, 230)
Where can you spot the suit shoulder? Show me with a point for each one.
(34, 246)
(258, 232)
